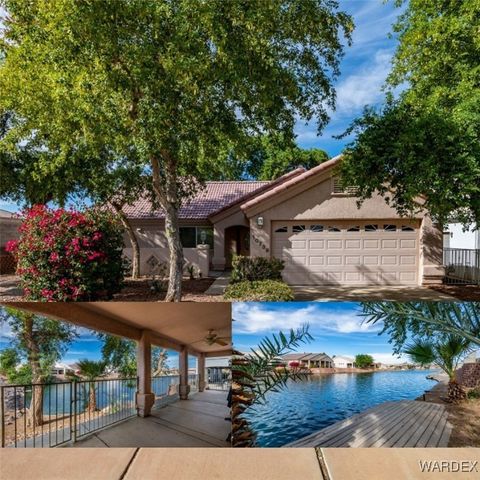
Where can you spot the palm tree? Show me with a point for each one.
(257, 373)
(91, 370)
(446, 353)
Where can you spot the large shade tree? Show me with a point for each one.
(40, 342)
(266, 158)
(169, 81)
(425, 141)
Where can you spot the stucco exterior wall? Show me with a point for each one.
(318, 202)
(8, 230)
(151, 238)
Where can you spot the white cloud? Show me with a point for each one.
(255, 318)
(365, 86)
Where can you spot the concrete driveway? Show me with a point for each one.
(383, 293)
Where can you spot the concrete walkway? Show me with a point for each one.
(196, 422)
(219, 285)
(406, 423)
(238, 464)
(381, 293)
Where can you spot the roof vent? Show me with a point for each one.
(340, 189)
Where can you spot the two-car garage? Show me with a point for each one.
(348, 252)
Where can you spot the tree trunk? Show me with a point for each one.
(456, 392)
(35, 412)
(167, 196)
(162, 356)
(133, 240)
(92, 398)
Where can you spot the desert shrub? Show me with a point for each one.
(474, 393)
(259, 291)
(256, 268)
(65, 255)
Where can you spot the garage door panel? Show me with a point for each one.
(389, 243)
(348, 253)
(371, 243)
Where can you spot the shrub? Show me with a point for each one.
(474, 393)
(259, 291)
(256, 268)
(64, 255)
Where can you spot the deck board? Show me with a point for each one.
(406, 423)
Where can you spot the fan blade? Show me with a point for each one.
(221, 342)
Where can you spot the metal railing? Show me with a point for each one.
(49, 415)
(462, 266)
(219, 378)
(193, 382)
(102, 403)
(165, 388)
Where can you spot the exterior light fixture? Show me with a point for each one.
(260, 221)
(203, 236)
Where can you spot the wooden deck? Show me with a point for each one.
(406, 423)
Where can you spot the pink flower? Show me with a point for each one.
(97, 236)
(11, 246)
(54, 257)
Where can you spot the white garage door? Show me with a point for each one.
(348, 252)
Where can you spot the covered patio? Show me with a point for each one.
(188, 414)
(198, 422)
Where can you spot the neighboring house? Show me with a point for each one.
(343, 362)
(62, 369)
(304, 218)
(473, 357)
(9, 223)
(309, 360)
(454, 236)
(461, 254)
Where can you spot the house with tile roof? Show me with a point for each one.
(307, 219)
(308, 360)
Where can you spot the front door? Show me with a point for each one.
(237, 242)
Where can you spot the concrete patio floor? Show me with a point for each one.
(358, 294)
(196, 422)
(238, 464)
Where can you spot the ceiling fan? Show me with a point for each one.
(211, 337)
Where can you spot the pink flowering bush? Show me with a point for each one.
(64, 255)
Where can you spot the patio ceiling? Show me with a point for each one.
(170, 325)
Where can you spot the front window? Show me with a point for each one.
(190, 237)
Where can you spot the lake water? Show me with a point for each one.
(321, 400)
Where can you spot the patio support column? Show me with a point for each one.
(183, 367)
(201, 372)
(145, 397)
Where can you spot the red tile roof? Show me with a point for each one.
(212, 198)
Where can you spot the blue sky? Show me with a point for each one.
(364, 69)
(337, 328)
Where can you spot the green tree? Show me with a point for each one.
(446, 352)
(363, 360)
(117, 186)
(92, 370)
(267, 158)
(170, 82)
(120, 354)
(257, 373)
(41, 342)
(9, 361)
(426, 142)
(401, 320)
